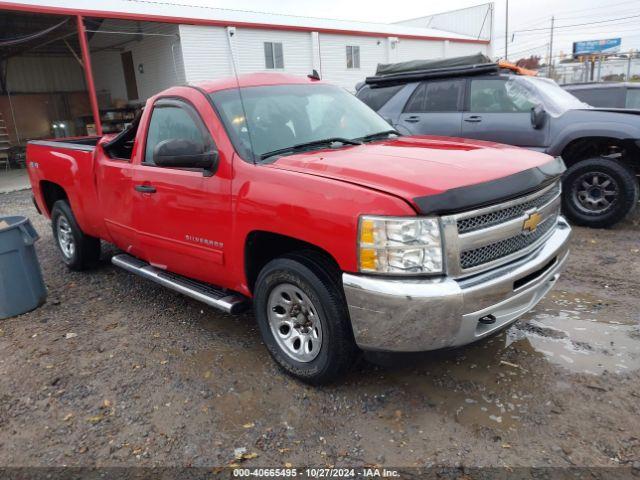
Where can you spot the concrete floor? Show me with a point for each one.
(14, 180)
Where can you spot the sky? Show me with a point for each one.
(534, 16)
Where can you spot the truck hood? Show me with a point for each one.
(417, 166)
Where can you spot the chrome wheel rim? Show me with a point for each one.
(65, 237)
(595, 192)
(294, 322)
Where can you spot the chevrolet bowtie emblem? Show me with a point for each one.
(531, 222)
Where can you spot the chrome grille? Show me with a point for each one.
(493, 218)
(503, 248)
(485, 238)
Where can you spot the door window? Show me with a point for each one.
(172, 121)
(601, 97)
(499, 96)
(377, 98)
(416, 101)
(633, 98)
(444, 96)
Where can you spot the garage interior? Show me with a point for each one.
(44, 88)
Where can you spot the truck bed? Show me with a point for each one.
(65, 169)
(75, 143)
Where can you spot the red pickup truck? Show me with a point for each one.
(292, 194)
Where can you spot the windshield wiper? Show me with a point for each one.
(378, 135)
(306, 145)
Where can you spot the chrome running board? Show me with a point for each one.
(225, 300)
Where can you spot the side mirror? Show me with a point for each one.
(538, 116)
(184, 153)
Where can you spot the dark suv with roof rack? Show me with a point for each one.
(480, 100)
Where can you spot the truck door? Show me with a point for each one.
(499, 112)
(434, 108)
(182, 216)
(113, 179)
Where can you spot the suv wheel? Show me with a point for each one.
(303, 317)
(599, 192)
(79, 251)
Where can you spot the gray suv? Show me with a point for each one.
(600, 147)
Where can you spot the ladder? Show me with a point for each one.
(5, 144)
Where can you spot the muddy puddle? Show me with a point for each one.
(497, 382)
(582, 333)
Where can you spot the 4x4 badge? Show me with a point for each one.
(531, 222)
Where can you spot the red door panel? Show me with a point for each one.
(183, 225)
(183, 218)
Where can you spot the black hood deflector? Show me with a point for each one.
(483, 194)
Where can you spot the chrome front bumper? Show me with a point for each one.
(407, 315)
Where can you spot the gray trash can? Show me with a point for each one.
(21, 285)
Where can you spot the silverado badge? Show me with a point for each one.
(531, 222)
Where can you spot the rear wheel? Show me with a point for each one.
(79, 251)
(599, 192)
(303, 317)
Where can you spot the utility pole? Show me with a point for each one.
(506, 33)
(551, 47)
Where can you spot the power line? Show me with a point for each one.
(545, 18)
(567, 30)
(579, 24)
(532, 49)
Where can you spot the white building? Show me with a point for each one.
(204, 46)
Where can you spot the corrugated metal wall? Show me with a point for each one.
(249, 50)
(456, 49)
(206, 52)
(159, 56)
(408, 49)
(35, 74)
(108, 75)
(474, 21)
(333, 55)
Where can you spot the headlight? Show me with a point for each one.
(399, 245)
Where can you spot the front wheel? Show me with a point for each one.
(599, 192)
(303, 317)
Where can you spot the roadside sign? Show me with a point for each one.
(591, 47)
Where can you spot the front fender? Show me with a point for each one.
(569, 131)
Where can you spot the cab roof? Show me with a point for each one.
(254, 80)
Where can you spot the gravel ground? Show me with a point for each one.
(115, 371)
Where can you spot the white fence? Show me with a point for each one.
(620, 70)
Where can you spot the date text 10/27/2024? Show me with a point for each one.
(343, 473)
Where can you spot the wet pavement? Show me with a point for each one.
(583, 334)
(13, 180)
(114, 370)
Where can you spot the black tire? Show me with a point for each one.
(578, 205)
(319, 279)
(86, 251)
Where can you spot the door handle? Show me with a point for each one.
(473, 119)
(412, 119)
(145, 188)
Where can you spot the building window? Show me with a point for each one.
(353, 57)
(273, 57)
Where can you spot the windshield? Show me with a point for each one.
(554, 98)
(282, 116)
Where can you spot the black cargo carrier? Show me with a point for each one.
(416, 70)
